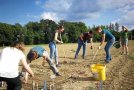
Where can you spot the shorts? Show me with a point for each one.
(45, 53)
(124, 42)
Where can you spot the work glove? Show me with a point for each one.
(91, 47)
(61, 42)
(32, 75)
(43, 63)
(99, 47)
(83, 43)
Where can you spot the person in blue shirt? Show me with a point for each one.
(37, 52)
(106, 35)
(82, 41)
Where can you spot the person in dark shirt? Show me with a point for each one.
(82, 41)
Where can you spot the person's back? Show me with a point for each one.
(87, 36)
(123, 35)
(38, 49)
(9, 63)
(9, 60)
(108, 34)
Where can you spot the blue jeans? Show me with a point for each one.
(53, 52)
(80, 43)
(107, 49)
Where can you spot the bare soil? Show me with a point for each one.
(76, 74)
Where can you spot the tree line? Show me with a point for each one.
(37, 32)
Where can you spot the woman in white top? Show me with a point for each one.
(9, 64)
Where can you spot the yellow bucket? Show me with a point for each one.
(98, 71)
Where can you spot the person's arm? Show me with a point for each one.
(126, 29)
(81, 36)
(44, 59)
(27, 68)
(91, 41)
(103, 40)
(56, 38)
(120, 36)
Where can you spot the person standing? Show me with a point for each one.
(9, 64)
(124, 40)
(56, 38)
(82, 41)
(106, 35)
(37, 52)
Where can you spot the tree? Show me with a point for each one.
(117, 27)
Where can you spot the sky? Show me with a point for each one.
(91, 12)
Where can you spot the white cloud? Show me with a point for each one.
(123, 8)
(59, 6)
(115, 4)
(32, 16)
(50, 16)
(73, 10)
(128, 19)
(83, 9)
(37, 2)
(78, 10)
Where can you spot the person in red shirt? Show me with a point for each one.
(82, 41)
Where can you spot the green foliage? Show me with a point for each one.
(116, 34)
(65, 38)
(37, 32)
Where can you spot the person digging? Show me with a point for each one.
(37, 52)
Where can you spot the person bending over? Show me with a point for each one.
(37, 52)
(106, 34)
(9, 64)
(82, 41)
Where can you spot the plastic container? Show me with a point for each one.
(98, 71)
(117, 44)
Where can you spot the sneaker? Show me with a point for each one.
(107, 61)
(75, 57)
(21, 74)
(57, 65)
(83, 57)
(0, 83)
(123, 53)
(127, 53)
(57, 74)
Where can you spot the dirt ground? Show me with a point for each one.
(76, 74)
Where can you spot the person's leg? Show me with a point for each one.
(79, 47)
(13, 83)
(126, 46)
(56, 55)
(84, 50)
(123, 46)
(51, 64)
(107, 50)
(1, 82)
(52, 50)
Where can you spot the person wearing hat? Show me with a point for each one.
(9, 64)
(106, 35)
(124, 40)
(82, 41)
(37, 52)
